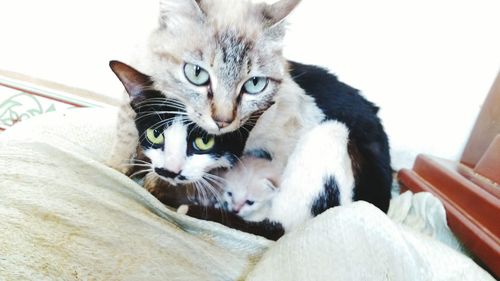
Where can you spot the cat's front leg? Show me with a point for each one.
(266, 228)
(318, 176)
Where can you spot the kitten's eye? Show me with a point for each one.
(230, 193)
(255, 85)
(203, 144)
(249, 202)
(154, 136)
(196, 75)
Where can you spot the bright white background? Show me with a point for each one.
(428, 64)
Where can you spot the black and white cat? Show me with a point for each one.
(222, 60)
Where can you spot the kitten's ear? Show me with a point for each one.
(271, 184)
(175, 13)
(278, 11)
(134, 81)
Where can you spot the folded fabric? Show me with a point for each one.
(67, 216)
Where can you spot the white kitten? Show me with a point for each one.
(250, 186)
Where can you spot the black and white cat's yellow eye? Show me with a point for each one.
(203, 144)
(255, 85)
(196, 75)
(154, 136)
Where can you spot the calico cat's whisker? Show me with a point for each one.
(210, 188)
(299, 75)
(201, 192)
(138, 165)
(186, 121)
(160, 105)
(189, 123)
(148, 115)
(246, 130)
(158, 125)
(161, 112)
(166, 120)
(161, 101)
(240, 162)
(140, 172)
(198, 192)
(214, 181)
(221, 179)
(141, 161)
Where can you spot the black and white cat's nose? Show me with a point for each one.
(166, 173)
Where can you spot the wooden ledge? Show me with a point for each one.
(472, 212)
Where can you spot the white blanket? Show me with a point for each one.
(64, 215)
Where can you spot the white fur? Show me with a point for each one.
(253, 179)
(320, 153)
(199, 164)
(279, 128)
(173, 155)
(175, 147)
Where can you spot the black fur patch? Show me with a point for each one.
(259, 153)
(369, 146)
(266, 228)
(329, 198)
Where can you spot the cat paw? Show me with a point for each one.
(183, 209)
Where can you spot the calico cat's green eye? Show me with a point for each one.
(154, 136)
(196, 75)
(255, 85)
(204, 144)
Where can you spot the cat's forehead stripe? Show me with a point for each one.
(234, 49)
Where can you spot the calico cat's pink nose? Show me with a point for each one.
(223, 120)
(222, 124)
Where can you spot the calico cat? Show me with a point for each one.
(223, 62)
(173, 148)
(250, 186)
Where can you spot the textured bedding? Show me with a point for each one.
(64, 215)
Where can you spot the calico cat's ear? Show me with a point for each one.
(176, 13)
(134, 81)
(278, 11)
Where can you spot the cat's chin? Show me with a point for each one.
(213, 129)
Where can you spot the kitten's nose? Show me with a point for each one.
(166, 173)
(237, 208)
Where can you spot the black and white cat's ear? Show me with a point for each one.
(134, 81)
(175, 13)
(277, 12)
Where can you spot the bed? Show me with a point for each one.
(65, 215)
